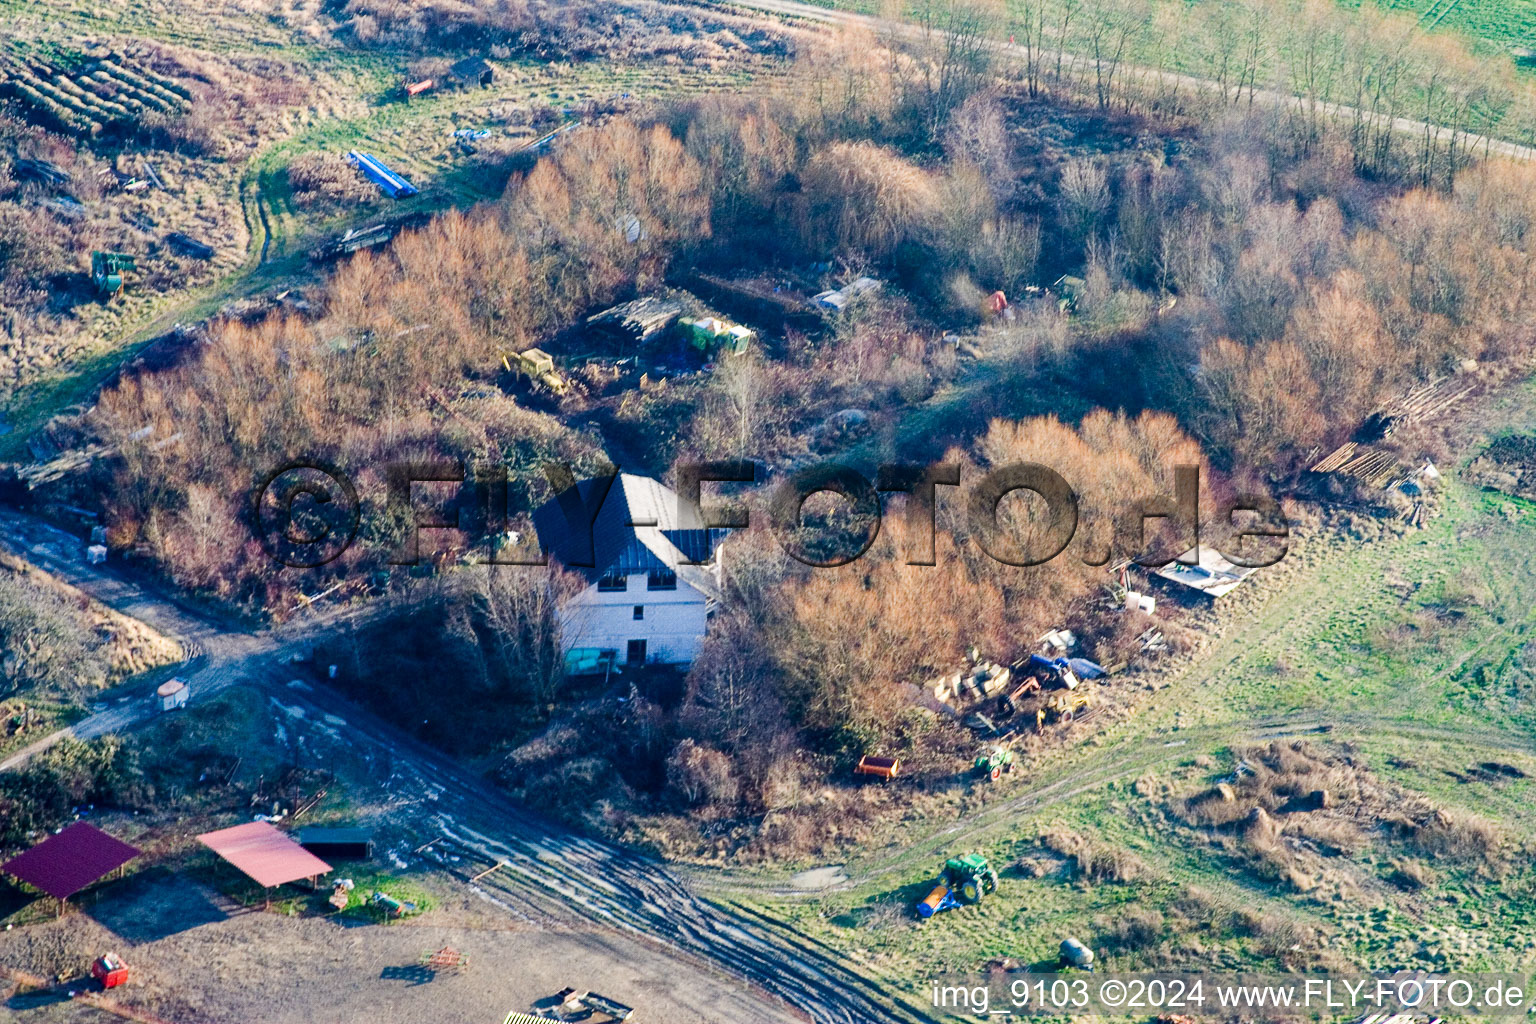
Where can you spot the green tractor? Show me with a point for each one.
(107, 271)
(970, 876)
(964, 882)
(992, 762)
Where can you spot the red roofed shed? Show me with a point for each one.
(63, 864)
(266, 854)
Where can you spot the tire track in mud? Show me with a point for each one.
(547, 874)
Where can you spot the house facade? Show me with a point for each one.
(652, 571)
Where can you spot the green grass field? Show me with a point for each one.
(1509, 25)
(353, 105)
(1505, 26)
(1405, 653)
(1178, 37)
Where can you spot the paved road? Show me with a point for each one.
(1261, 97)
(544, 864)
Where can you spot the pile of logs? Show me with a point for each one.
(1378, 466)
(637, 321)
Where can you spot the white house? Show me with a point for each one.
(652, 570)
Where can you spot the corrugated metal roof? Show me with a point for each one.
(64, 864)
(264, 853)
(1212, 575)
(637, 525)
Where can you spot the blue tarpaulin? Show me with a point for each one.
(393, 185)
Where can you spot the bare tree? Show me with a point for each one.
(1112, 25)
(955, 49)
(520, 606)
(1085, 196)
(742, 379)
(1068, 10)
(1031, 24)
(978, 133)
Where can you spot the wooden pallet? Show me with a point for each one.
(445, 959)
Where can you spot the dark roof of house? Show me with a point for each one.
(637, 525)
(264, 853)
(63, 864)
(469, 67)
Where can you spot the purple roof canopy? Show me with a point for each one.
(63, 864)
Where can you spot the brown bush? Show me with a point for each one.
(1093, 861)
(326, 178)
(866, 198)
(1137, 929)
(1458, 835)
(701, 774)
(1411, 874)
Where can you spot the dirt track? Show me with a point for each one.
(548, 870)
(221, 964)
(1261, 97)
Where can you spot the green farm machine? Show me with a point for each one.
(964, 882)
(107, 271)
(993, 762)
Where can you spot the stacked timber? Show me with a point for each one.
(637, 321)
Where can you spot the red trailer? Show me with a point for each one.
(880, 767)
(110, 970)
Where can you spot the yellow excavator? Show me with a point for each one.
(538, 366)
(1061, 706)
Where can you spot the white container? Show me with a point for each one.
(173, 693)
(96, 554)
(1132, 600)
(1148, 604)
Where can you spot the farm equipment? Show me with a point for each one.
(341, 894)
(964, 882)
(1008, 703)
(881, 767)
(391, 907)
(173, 694)
(107, 271)
(355, 239)
(993, 762)
(1075, 954)
(445, 959)
(1052, 670)
(574, 1004)
(1061, 707)
(538, 366)
(1070, 289)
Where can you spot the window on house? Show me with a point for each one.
(661, 579)
(639, 612)
(613, 582)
